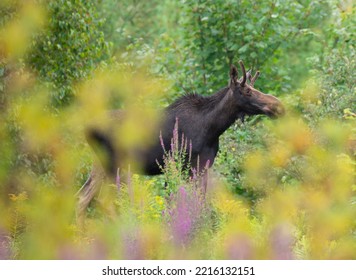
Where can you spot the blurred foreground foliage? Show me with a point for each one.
(280, 189)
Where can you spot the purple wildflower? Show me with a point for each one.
(207, 165)
(190, 150)
(182, 223)
(133, 247)
(161, 141)
(69, 252)
(239, 247)
(282, 242)
(4, 246)
(185, 214)
(118, 180)
(174, 141)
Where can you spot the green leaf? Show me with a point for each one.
(243, 49)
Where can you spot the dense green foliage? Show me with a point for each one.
(262, 33)
(63, 63)
(70, 47)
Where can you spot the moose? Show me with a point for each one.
(202, 119)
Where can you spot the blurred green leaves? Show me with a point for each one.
(71, 46)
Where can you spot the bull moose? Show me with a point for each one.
(202, 119)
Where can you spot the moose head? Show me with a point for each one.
(249, 100)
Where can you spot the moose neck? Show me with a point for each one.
(222, 115)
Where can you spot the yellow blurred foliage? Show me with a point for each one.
(310, 92)
(321, 197)
(40, 126)
(17, 34)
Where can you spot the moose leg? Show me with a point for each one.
(89, 190)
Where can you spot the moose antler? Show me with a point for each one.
(253, 80)
(248, 75)
(243, 73)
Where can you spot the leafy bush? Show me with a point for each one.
(70, 48)
(126, 21)
(216, 35)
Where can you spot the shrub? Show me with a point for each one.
(69, 48)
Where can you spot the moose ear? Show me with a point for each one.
(243, 81)
(233, 75)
